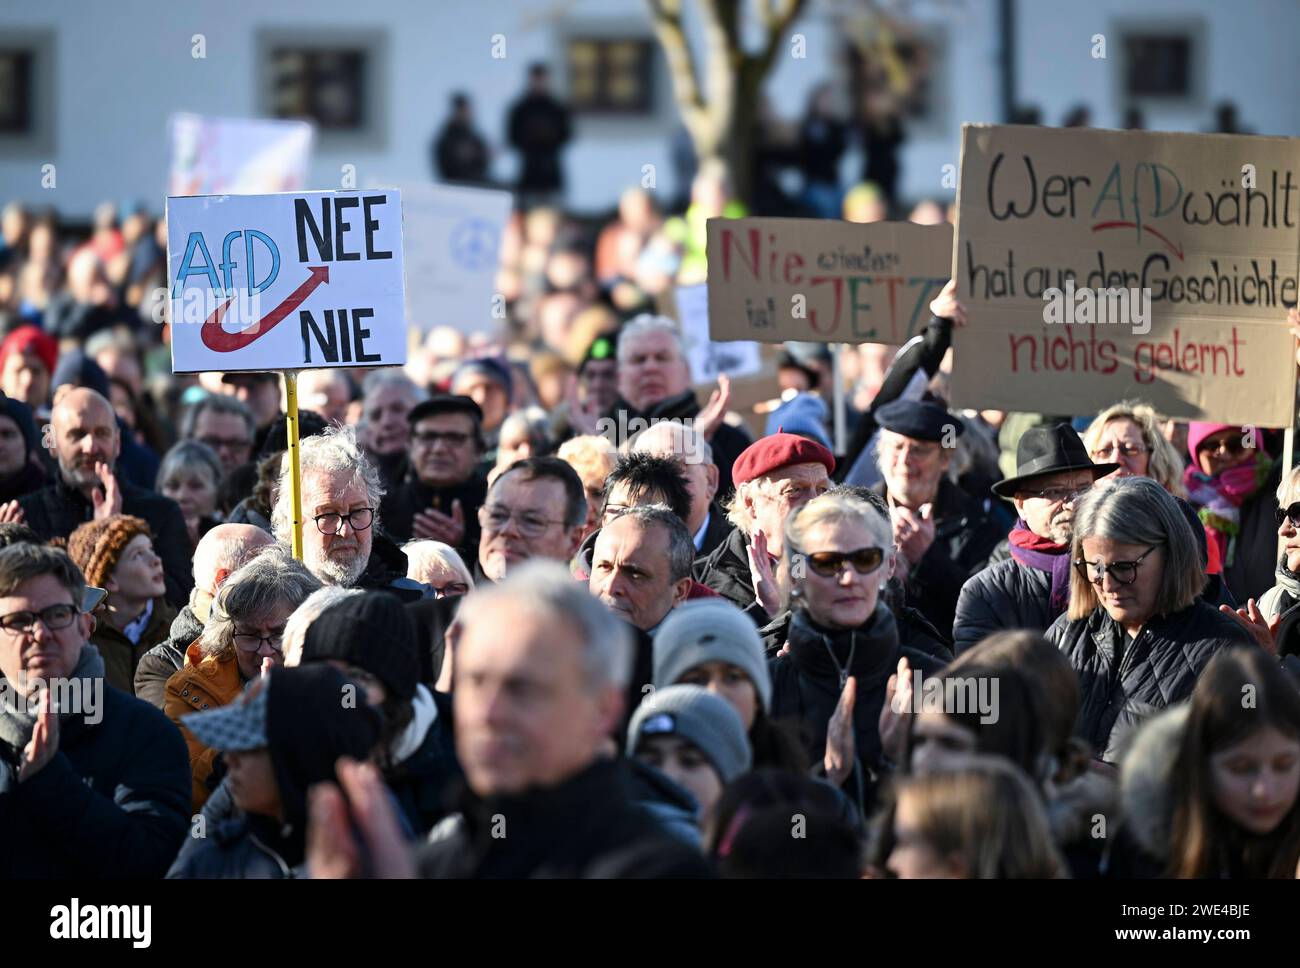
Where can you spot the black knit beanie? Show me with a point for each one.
(370, 631)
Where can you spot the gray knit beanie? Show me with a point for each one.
(710, 630)
(702, 719)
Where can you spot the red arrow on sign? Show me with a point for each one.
(219, 341)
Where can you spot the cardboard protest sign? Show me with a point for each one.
(823, 280)
(238, 156)
(707, 357)
(1097, 266)
(453, 245)
(292, 281)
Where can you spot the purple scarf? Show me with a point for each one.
(1055, 563)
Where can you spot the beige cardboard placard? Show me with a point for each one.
(1207, 225)
(823, 280)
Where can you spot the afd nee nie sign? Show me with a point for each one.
(284, 282)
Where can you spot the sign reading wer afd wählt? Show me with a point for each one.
(1097, 266)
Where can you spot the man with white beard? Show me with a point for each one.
(341, 540)
(1032, 587)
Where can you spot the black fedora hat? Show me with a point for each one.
(1049, 450)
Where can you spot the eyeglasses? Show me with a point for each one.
(55, 617)
(530, 525)
(357, 520)
(830, 564)
(1121, 449)
(451, 590)
(431, 438)
(1124, 572)
(1059, 495)
(1291, 514)
(252, 642)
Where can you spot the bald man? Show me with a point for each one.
(86, 443)
(222, 550)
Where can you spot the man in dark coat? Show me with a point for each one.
(943, 534)
(444, 485)
(706, 521)
(87, 442)
(460, 155)
(341, 544)
(1032, 587)
(774, 475)
(541, 671)
(654, 383)
(538, 128)
(100, 788)
(221, 551)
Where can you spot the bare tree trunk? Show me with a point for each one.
(721, 115)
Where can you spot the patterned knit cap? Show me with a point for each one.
(96, 546)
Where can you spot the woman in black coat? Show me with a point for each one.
(843, 642)
(1137, 632)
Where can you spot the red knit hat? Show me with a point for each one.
(768, 454)
(35, 338)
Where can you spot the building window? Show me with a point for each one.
(27, 106)
(1158, 65)
(334, 78)
(324, 85)
(610, 75)
(17, 111)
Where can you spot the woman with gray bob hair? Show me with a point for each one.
(245, 628)
(265, 591)
(1137, 632)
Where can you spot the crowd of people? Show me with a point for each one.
(521, 643)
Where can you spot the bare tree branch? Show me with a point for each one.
(666, 15)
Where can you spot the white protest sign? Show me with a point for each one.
(238, 156)
(453, 248)
(709, 358)
(291, 281)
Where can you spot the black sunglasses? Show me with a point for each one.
(1291, 514)
(829, 564)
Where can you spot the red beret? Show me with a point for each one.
(41, 342)
(768, 454)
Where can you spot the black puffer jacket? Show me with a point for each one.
(1157, 669)
(247, 848)
(1007, 595)
(806, 687)
(727, 442)
(166, 658)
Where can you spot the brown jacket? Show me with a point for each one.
(202, 683)
(121, 655)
